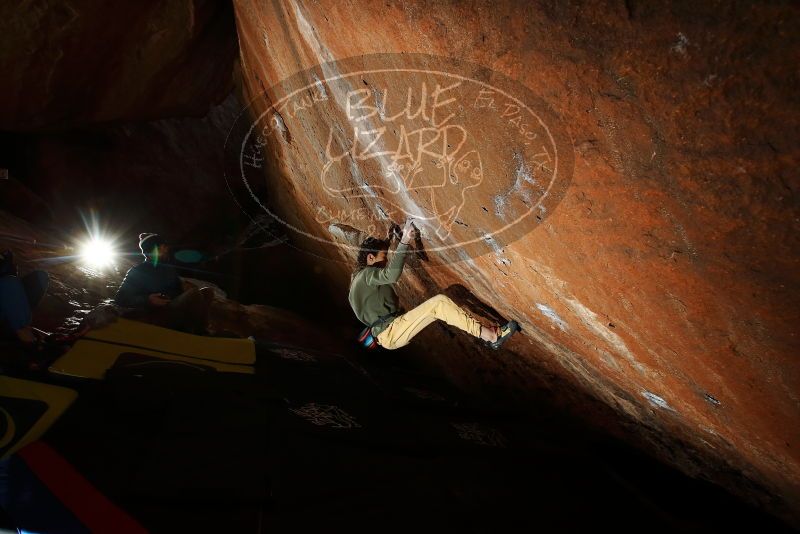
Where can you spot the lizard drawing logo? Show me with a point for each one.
(475, 158)
(423, 172)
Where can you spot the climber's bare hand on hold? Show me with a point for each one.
(408, 232)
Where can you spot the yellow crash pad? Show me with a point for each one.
(147, 336)
(91, 359)
(27, 410)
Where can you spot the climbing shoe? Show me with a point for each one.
(506, 331)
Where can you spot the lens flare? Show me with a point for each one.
(98, 253)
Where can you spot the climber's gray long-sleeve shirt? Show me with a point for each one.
(371, 293)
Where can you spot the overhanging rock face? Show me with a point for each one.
(67, 64)
(660, 273)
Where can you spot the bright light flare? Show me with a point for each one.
(98, 253)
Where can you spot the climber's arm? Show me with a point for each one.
(391, 273)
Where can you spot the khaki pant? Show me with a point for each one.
(406, 326)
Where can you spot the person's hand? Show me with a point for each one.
(158, 300)
(408, 232)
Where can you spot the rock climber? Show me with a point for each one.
(375, 302)
(154, 293)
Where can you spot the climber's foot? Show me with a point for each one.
(489, 333)
(504, 332)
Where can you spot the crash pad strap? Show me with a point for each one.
(91, 359)
(56, 400)
(91, 507)
(147, 336)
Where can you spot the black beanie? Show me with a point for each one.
(149, 241)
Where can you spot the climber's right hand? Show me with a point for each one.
(408, 232)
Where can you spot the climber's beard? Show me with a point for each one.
(380, 264)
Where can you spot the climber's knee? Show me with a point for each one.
(441, 305)
(440, 299)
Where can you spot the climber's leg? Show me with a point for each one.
(403, 328)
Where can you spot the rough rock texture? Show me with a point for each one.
(74, 71)
(68, 63)
(164, 176)
(665, 284)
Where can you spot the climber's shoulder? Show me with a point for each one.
(361, 278)
(138, 269)
(358, 276)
